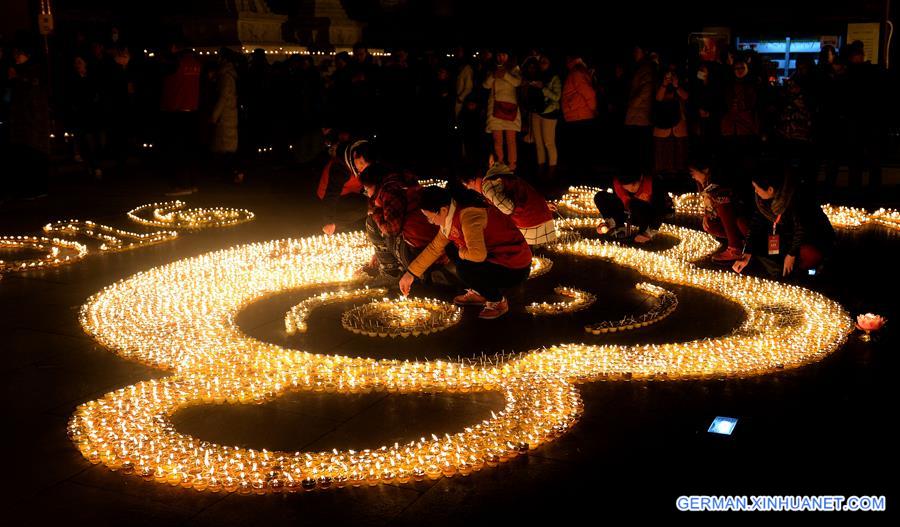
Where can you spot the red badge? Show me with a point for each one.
(774, 244)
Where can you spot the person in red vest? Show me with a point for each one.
(635, 200)
(490, 252)
(514, 197)
(178, 106)
(340, 189)
(395, 224)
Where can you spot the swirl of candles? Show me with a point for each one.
(110, 238)
(576, 301)
(403, 317)
(664, 304)
(180, 317)
(174, 215)
(55, 252)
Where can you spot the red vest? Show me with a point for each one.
(504, 242)
(181, 88)
(417, 230)
(644, 192)
(351, 186)
(531, 208)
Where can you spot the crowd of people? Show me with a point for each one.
(495, 127)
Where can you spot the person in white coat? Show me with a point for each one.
(503, 116)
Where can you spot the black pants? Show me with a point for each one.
(179, 148)
(393, 253)
(641, 214)
(489, 278)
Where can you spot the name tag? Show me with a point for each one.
(774, 244)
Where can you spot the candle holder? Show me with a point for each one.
(869, 323)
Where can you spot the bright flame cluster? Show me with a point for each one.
(664, 304)
(577, 300)
(402, 317)
(174, 215)
(55, 252)
(440, 183)
(688, 203)
(111, 239)
(579, 201)
(296, 317)
(180, 317)
(539, 266)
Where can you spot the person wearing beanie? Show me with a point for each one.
(340, 189)
(489, 251)
(514, 197)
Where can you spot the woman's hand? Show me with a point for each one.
(741, 263)
(406, 282)
(788, 265)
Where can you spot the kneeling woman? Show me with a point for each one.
(789, 231)
(491, 254)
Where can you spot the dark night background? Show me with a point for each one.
(435, 23)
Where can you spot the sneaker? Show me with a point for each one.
(470, 298)
(728, 255)
(494, 310)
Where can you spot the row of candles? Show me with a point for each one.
(576, 300)
(665, 302)
(174, 215)
(181, 317)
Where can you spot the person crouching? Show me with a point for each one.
(514, 197)
(490, 252)
(395, 224)
(637, 200)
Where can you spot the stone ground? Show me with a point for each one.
(822, 429)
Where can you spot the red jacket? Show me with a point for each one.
(181, 88)
(504, 242)
(351, 184)
(644, 192)
(531, 208)
(395, 209)
(579, 100)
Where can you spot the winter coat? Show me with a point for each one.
(579, 100)
(741, 108)
(225, 112)
(800, 222)
(641, 94)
